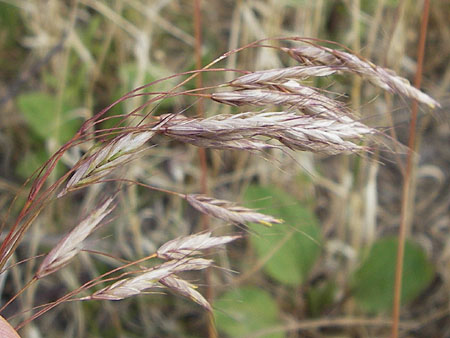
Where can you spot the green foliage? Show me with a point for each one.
(12, 51)
(373, 282)
(11, 26)
(30, 162)
(39, 110)
(129, 72)
(242, 311)
(369, 6)
(320, 297)
(296, 241)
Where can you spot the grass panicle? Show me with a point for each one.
(147, 279)
(310, 119)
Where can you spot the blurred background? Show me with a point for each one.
(329, 270)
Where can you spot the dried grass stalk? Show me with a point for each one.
(343, 61)
(71, 244)
(192, 245)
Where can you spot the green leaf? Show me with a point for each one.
(243, 311)
(39, 110)
(320, 297)
(129, 72)
(296, 242)
(373, 282)
(30, 162)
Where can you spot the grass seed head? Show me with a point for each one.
(294, 131)
(381, 77)
(228, 211)
(192, 245)
(71, 244)
(186, 289)
(128, 287)
(102, 161)
(274, 76)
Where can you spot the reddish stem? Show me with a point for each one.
(202, 153)
(407, 177)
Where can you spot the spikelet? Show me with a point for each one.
(71, 244)
(191, 245)
(102, 161)
(343, 61)
(128, 287)
(274, 76)
(228, 211)
(294, 131)
(185, 289)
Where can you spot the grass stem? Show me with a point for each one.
(407, 177)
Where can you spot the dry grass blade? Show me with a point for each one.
(186, 289)
(70, 245)
(228, 211)
(191, 245)
(381, 77)
(128, 287)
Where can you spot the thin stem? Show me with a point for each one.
(145, 186)
(407, 177)
(202, 152)
(34, 279)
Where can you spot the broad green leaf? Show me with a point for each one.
(293, 246)
(39, 111)
(243, 311)
(373, 282)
